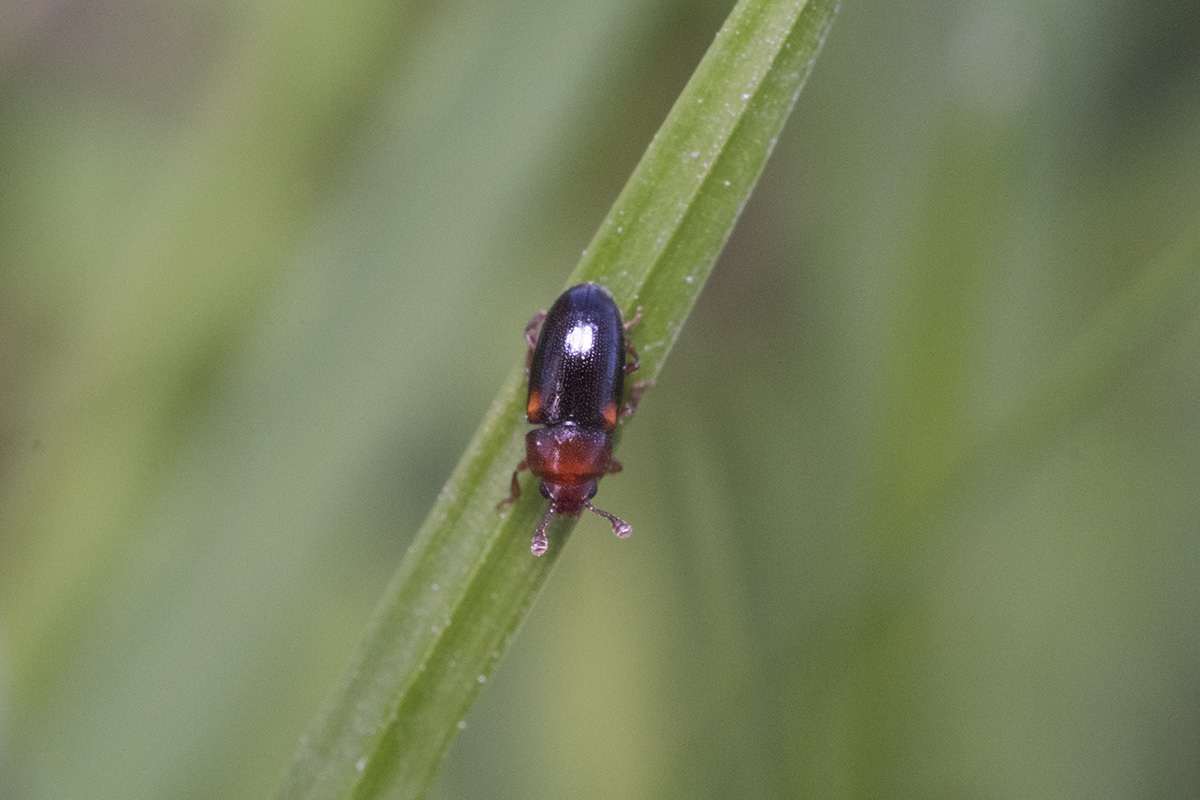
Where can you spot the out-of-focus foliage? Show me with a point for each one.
(262, 266)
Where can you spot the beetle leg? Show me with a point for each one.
(630, 350)
(635, 396)
(613, 466)
(516, 487)
(531, 336)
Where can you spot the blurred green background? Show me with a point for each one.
(263, 266)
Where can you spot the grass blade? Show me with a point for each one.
(469, 578)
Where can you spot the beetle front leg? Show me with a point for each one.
(515, 494)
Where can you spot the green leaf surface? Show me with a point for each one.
(469, 578)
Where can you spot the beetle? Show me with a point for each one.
(577, 367)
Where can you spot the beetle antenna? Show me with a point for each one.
(620, 527)
(540, 545)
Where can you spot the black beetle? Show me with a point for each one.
(577, 367)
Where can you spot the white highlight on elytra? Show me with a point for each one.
(581, 339)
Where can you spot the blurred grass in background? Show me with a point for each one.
(263, 266)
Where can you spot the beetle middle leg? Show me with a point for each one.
(630, 350)
(635, 391)
(515, 494)
(635, 396)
